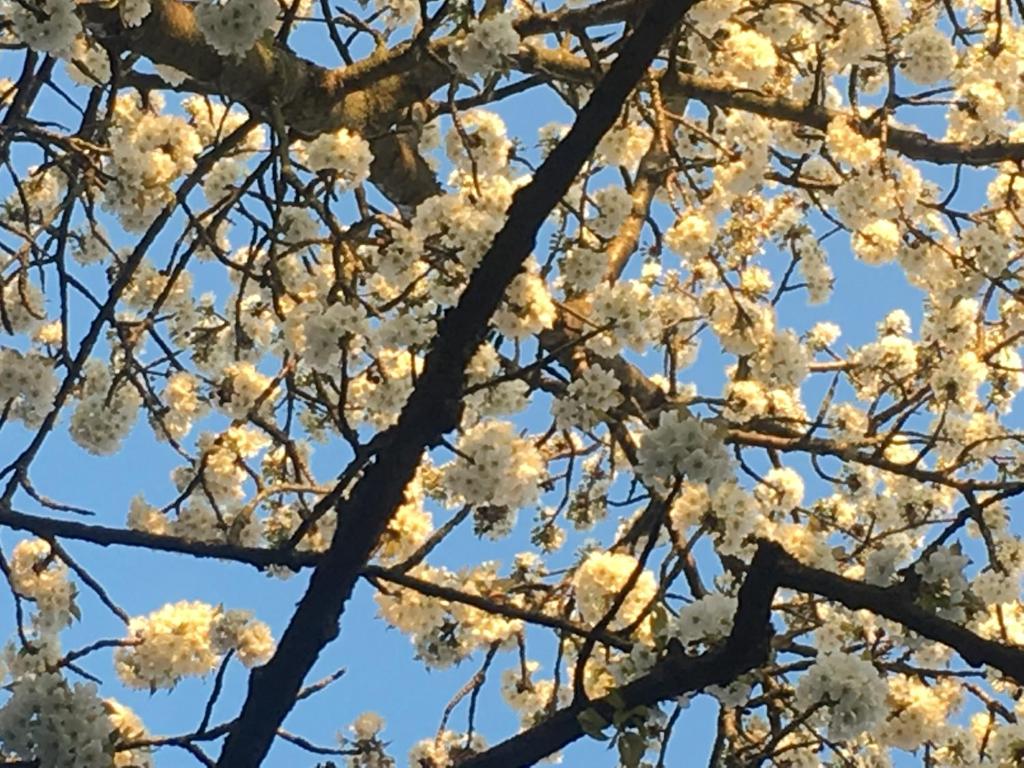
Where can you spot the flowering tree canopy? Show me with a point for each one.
(563, 281)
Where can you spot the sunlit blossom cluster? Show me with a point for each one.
(486, 45)
(599, 582)
(188, 639)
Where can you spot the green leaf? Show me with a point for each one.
(593, 724)
(631, 749)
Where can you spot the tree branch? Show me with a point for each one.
(103, 536)
(711, 92)
(897, 604)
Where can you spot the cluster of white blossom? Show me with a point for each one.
(442, 750)
(850, 691)
(237, 630)
(342, 153)
(480, 146)
(627, 311)
(188, 638)
(704, 622)
(944, 586)
(822, 336)
(134, 12)
(221, 462)
(782, 361)
(366, 748)
(297, 226)
(886, 364)
(183, 402)
(486, 45)
(929, 55)
(988, 247)
(877, 242)
(90, 63)
(495, 467)
(747, 56)
(692, 235)
(780, 490)
(920, 711)
(613, 205)
(400, 13)
(28, 384)
(379, 392)
(583, 268)
(232, 27)
(322, 334)
(36, 572)
(625, 144)
(729, 512)
(741, 325)
(245, 389)
(50, 26)
(684, 445)
(1007, 742)
(598, 583)
(410, 526)
(444, 633)
(149, 152)
(527, 309)
(848, 145)
(196, 520)
(588, 399)
(41, 191)
(496, 397)
(106, 411)
(23, 304)
(530, 698)
(814, 267)
(465, 221)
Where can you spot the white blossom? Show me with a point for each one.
(232, 27)
(849, 688)
(486, 45)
